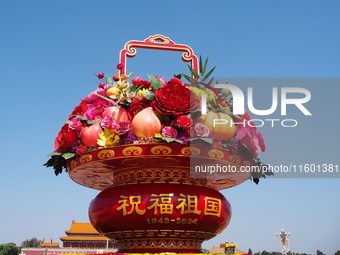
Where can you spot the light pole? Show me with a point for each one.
(284, 243)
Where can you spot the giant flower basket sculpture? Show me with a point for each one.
(157, 160)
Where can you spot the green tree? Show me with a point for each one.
(33, 242)
(318, 252)
(9, 249)
(205, 251)
(337, 253)
(250, 251)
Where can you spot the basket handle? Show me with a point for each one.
(156, 42)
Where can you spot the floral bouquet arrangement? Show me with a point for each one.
(127, 110)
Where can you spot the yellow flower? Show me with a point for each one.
(114, 93)
(158, 135)
(108, 138)
(141, 92)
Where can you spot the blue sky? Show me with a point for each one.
(49, 50)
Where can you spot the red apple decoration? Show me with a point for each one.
(117, 112)
(89, 135)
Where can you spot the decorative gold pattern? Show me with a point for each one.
(215, 153)
(159, 39)
(163, 233)
(153, 163)
(161, 149)
(132, 151)
(73, 164)
(235, 159)
(85, 158)
(190, 150)
(153, 239)
(150, 161)
(106, 154)
(161, 175)
(158, 243)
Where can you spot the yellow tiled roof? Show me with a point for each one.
(49, 244)
(220, 250)
(83, 238)
(81, 228)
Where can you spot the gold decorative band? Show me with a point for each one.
(157, 243)
(151, 175)
(160, 234)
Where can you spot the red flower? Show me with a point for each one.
(80, 109)
(66, 137)
(136, 106)
(81, 149)
(175, 81)
(172, 99)
(139, 82)
(184, 122)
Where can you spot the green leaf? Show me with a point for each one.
(178, 76)
(207, 140)
(205, 65)
(57, 162)
(190, 79)
(156, 83)
(133, 89)
(82, 118)
(193, 72)
(170, 139)
(210, 81)
(208, 74)
(204, 139)
(53, 154)
(201, 67)
(108, 80)
(211, 95)
(68, 155)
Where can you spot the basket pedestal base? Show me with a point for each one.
(159, 217)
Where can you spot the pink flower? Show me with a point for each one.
(169, 132)
(161, 79)
(108, 122)
(92, 97)
(75, 124)
(96, 109)
(250, 136)
(122, 127)
(202, 130)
